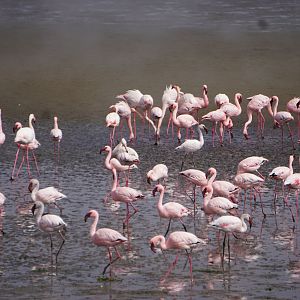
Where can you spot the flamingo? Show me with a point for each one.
(114, 163)
(50, 224)
(216, 205)
(281, 174)
(48, 195)
(2, 134)
(281, 118)
(105, 237)
(247, 181)
(124, 153)
(170, 210)
(126, 195)
(251, 164)
(158, 172)
(221, 99)
(112, 120)
(256, 104)
(217, 116)
(183, 121)
(225, 189)
(190, 146)
(56, 136)
(156, 114)
(124, 111)
(24, 137)
(180, 240)
(231, 224)
(293, 107)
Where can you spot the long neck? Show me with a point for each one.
(34, 191)
(244, 225)
(291, 164)
(207, 197)
(160, 200)
(275, 106)
(94, 226)
(237, 102)
(205, 97)
(213, 177)
(30, 122)
(201, 138)
(115, 183)
(55, 123)
(174, 116)
(163, 242)
(0, 122)
(107, 160)
(39, 212)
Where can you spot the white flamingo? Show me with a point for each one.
(112, 121)
(56, 136)
(158, 172)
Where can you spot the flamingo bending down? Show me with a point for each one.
(124, 111)
(158, 172)
(256, 104)
(192, 145)
(56, 135)
(124, 153)
(2, 134)
(170, 210)
(180, 240)
(231, 224)
(251, 164)
(156, 115)
(114, 163)
(105, 237)
(50, 224)
(225, 189)
(293, 107)
(48, 195)
(221, 99)
(25, 139)
(126, 195)
(281, 118)
(112, 120)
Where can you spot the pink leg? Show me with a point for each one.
(15, 162)
(21, 164)
(291, 135)
(191, 266)
(35, 161)
(172, 266)
(27, 160)
(134, 124)
(169, 123)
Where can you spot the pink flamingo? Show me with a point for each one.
(50, 224)
(251, 164)
(221, 99)
(180, 240)
(225, 189)
(2, 134)
(190, 146)
(124, 111)
(124, 153)
(256, 104)
(105, 237)
(183, 121)
(25, 136)
(281, 174)
(170, 210)
(156, 115)
(231, 224)
(217, 116)
(126, 195)
(114, 163)
(56, 135)
(112, 120)
(293, 107)
(48, 195)
(281, 118)
(158, 172)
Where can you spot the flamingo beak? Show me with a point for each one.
(298, 104)
(205, 129)
(33, 209)
(154, 191)
(149, 181)
(153, 247)
(30, 187)
(87, 216)
(102, 150)
(204, 191)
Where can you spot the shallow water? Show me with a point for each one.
(72, 60)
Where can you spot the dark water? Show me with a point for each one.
(71, 59)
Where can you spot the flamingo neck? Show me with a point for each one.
(174, 116)
(207, 198)
(94, 225)
(244, 225)
(205, 98)
(213, 177)
(55, 123)
(160, 200)
(237, 103)
(30, 122)
(201, 138)
(163, 244)
(115, 183)
(0, 123)
(34, 191)
(107, 160)
(275, 106)
(39, 212)
(291, 164)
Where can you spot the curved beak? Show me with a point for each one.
(87, 216)
(30, 187)
(153, 247)
(154, 191)
(205, 129)
(102, 150)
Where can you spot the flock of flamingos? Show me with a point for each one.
(220, 198)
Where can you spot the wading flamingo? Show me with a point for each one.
(50, 224)
(158, 172)
(112, 121)
(48, 195)
(230, 224)
(105, 237)
(251, 164)
(225, 189)
(56, 136)
(2, 134)
(179, 240)
(170, 210)
(293, 107)
(256, 104)
(190, 146)
(156, 115)
(281, 118)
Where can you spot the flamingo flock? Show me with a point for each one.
(220, 203)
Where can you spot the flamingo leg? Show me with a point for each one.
(35, 162)
(61, 245)
(27, 159)
(51, 249)
(184, 227)
(288, 205)
(291, 135)
(191, 265)
(168, 227)
(15, 162)
(261, 205)
(172, 266)
(21, 164)
(182, 163)
(169, 123)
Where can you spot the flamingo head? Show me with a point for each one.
(204, 87)
(155, 242)
(158, 188)
(91, 214)
(32, 184)
(105, 149)
(35, 206)
(239, 97)
(202, 126)
(17, 126)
